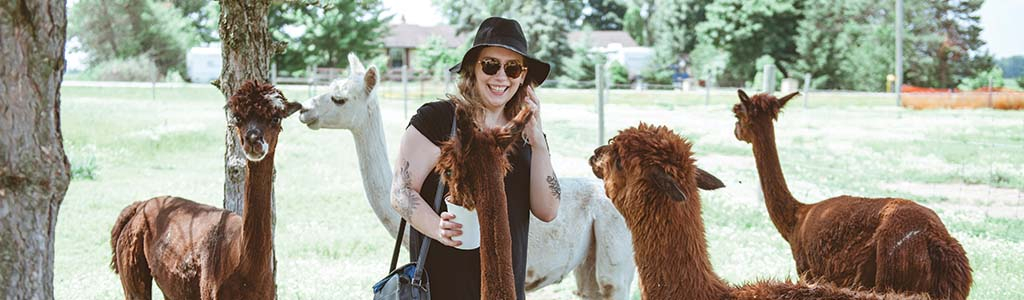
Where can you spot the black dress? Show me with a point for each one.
(455, 273)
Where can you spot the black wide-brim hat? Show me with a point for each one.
(505, 33)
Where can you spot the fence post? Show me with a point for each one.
(273, 74)
(768, 79)
(599, 78)
(447, 81)
(989, 91)
(405, 92)
(309, 80)
(707, 87)
(153, 89)
(807, 88)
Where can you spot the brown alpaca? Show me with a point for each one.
(474, 165)
(197, 251)
(882, 244)
(652, 180)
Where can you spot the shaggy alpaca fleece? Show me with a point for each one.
(875, 243)
(196, 251)
(652, 180)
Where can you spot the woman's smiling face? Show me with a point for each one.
(498, 89)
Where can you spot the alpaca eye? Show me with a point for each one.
(276, 120)
(448, 173)
(339, 100)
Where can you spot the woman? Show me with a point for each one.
(497, 80)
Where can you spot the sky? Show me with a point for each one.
(1001, 31)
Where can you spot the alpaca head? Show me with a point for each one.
(258, 109)
(757, 110)
(473, 158)
(652, 161)
(347, 101)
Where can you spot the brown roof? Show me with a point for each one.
(412, 36)
(602, 38)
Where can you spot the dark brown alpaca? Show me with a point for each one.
(652, 180)
(197, 251)
(474, 165)
(882, 244)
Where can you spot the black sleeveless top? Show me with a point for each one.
(455, 273)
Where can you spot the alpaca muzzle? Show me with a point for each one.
(308, 114)
(254, 146)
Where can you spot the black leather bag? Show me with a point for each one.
(410, 281)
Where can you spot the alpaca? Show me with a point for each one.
(588, 238)
(650, 177)
(474, 165)
(196, 251)
(884, 244)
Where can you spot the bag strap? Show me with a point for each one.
(425, 246)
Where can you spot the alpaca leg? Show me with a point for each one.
(133, 268)
(614, 253)
(586, 277)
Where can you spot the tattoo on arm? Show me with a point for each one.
(404, 193)
(556, 188)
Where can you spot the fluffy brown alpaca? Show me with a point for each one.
(652, 180)
(882, 244)
(197, 251)
(474, 165)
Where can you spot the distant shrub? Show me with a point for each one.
(139, 68)
(618, 74)
(83, 162)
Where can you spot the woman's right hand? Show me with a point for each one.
(447, 229)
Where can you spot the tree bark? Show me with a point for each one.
(246, 50)
(34, 172)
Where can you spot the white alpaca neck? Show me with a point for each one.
(374, 166)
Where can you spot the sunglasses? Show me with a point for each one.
(491, 66)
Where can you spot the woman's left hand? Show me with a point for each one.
(533, 132)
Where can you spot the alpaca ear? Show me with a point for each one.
(743, 96)
(291, 107)
(667, 184)
(782, 102)
(708, 182)
(370, 79)
(354, 65)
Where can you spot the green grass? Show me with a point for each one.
(126, 145)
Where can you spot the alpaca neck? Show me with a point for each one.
(496, 277)
(782, 207)
(374, 167)
(257, 215)
(671, 251)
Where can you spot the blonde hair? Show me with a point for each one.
(469, 94)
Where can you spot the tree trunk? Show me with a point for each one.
(246, 50)
(34, 172)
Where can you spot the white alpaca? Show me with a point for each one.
(588, 236)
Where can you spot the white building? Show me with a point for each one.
(204, 63)
(618, 46)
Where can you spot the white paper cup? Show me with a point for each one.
(470, 237)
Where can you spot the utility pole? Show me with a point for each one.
(899, 52)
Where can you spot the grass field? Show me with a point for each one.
(126, 146)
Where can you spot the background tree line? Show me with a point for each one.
(843, 44)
